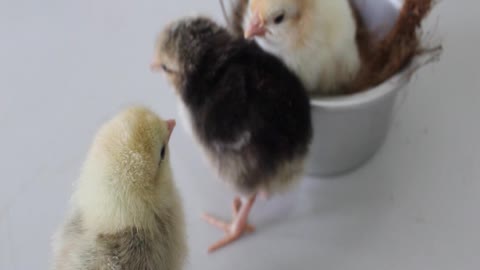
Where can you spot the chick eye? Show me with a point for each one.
(279, 19)
(166, 69)
(162, 153)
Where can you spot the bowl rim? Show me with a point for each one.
(364, 98)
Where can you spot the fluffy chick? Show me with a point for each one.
(315, 38)
(249, 113)
(126, 212)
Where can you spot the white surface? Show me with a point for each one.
(67, 66)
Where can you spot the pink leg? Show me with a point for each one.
(237, 204)
(238, 226)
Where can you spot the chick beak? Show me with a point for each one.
(155, 66)
(170, 126)
(257, 28)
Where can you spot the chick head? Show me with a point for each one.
(131, 152)
(278, 23)
(182, 43)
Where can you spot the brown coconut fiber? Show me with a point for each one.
(382, 59)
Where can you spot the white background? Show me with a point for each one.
(68, 66)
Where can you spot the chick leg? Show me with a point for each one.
(237, 204)
(238, 226)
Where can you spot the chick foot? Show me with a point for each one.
(237, 227)
(237, 204)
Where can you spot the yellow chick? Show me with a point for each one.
(125, 212)
(316, 39)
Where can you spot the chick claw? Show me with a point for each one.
(224, 226)
(236, 229)
(232, 231)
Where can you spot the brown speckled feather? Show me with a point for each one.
(133, 249)
(249, 112)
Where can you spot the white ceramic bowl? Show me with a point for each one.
(349, 130)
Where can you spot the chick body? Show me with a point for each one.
(249, 113)
(125, 212)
